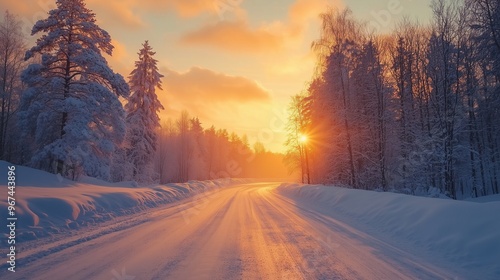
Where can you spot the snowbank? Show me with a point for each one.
(464, 233)
(47, 203)
(484, 199)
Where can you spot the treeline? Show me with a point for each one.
(65, 111)
(187, 151)
(413, 110)
(12, 50)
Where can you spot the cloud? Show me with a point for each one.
(208, 87)
(236, 36)
(109, 12)
(27, 13)
(127, 13)
(216, 98)
(121, 12)
(301, 11)
(185, 8)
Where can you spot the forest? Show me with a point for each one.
(65, 111)
(414, 111)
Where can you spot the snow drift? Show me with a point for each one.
(461, 232)
(47, 203)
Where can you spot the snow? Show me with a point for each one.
(372, 234)
(142, 119)
(464, 233)
(47, 203)
(246, 231)
(75, 115)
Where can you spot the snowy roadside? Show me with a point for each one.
(463, 233)
(47, 204)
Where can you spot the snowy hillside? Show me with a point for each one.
(47, 203)
(461, 232)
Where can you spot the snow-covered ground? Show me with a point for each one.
(245, 231)
(48, 204)
(462, 232)
(232, 229)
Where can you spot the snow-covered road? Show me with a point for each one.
(246, 231)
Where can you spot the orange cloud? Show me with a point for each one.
(187, 8)
(28, 13)
(20, 7)
(113, 12)
(184, 8)
(238, 36)
(209, 87)
(234, 36)
(109, 12)
(304, 10)
(123, 12)
(216, 98)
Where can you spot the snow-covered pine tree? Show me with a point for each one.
(142, 114)
(71, 105)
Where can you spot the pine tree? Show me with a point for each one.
(142, 114)
(71, 106)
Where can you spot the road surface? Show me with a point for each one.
(242, 232)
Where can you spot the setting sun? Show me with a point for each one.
(303, 139)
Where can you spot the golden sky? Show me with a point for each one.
(232, 63)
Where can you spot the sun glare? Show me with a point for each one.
(303, 138)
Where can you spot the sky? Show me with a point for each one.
(232, 63)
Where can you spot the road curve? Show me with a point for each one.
(242, 232)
